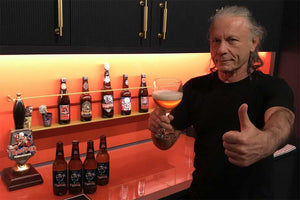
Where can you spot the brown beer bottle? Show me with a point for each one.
(75, 170)
(59, 171)
(125, 100)
(63, 104)
(102, 159)
(19, 112)
(90, 170)
(107, 96)
(85, 101)
(143, 95)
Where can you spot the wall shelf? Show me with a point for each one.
(38, 128)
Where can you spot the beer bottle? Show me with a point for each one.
(89, 170)
(107, 96)
(63, 104)
(59, 171)
(102, 159)
(85, 101)
(125, 100)
(19, 112)
(143, 95)
(75, 170)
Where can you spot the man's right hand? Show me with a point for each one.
(158, 120)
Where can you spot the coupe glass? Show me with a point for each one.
(167, 94)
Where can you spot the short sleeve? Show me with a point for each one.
(278, 93)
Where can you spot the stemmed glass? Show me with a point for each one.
(167, 94)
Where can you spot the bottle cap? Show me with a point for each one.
(125, 75)
(85, 78)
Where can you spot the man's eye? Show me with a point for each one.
(233, 40)
(215, 40)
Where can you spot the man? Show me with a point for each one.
(241, 116)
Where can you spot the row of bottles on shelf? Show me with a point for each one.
(22, 116)
(76, 176)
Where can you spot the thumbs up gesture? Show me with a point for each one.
(247, 146)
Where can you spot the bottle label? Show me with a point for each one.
(126, 82)
(75, 178)
(86, 110)
(103, 171)
(125, 103)
(59, 179)
(144, 102)
(89, 177)
(108, 102)
(64, 112)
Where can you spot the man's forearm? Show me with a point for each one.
(278, 125)
(165, 141)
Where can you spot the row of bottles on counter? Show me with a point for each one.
(77, 176)
(107, 100)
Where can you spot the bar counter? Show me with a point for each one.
(161, 172)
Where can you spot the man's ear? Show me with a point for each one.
(254, 44)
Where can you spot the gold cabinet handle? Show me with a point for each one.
(163, 34)
(145, 29)
(59, 30)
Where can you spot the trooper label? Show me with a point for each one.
(125, 103)
(144, 102)
(108, 103)
(89, 177)
(64, 112)
(60, 179)
(103, 171)
(75, 178)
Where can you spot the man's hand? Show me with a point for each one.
(158, 120)
(247, 146)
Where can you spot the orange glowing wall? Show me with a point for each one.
(38, 75)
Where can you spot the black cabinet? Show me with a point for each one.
(116, 26)
(106, 25)
(32, 23)
(187, 25)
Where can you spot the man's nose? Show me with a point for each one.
(222, 48)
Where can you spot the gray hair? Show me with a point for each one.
(255, 29)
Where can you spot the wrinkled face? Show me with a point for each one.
(230, 43)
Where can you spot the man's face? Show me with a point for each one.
(230, 44)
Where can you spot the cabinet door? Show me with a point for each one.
(106, 25)
(32, 23)
(187, 25)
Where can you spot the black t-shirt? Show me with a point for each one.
(211, 106)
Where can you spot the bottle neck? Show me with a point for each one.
(106, 82)
(125, 83)
(143, 82)
(59, 151)
(103, 146)
(75, 152)
(60, 155)
(85, 86)
(90, 152)
(63, 88)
